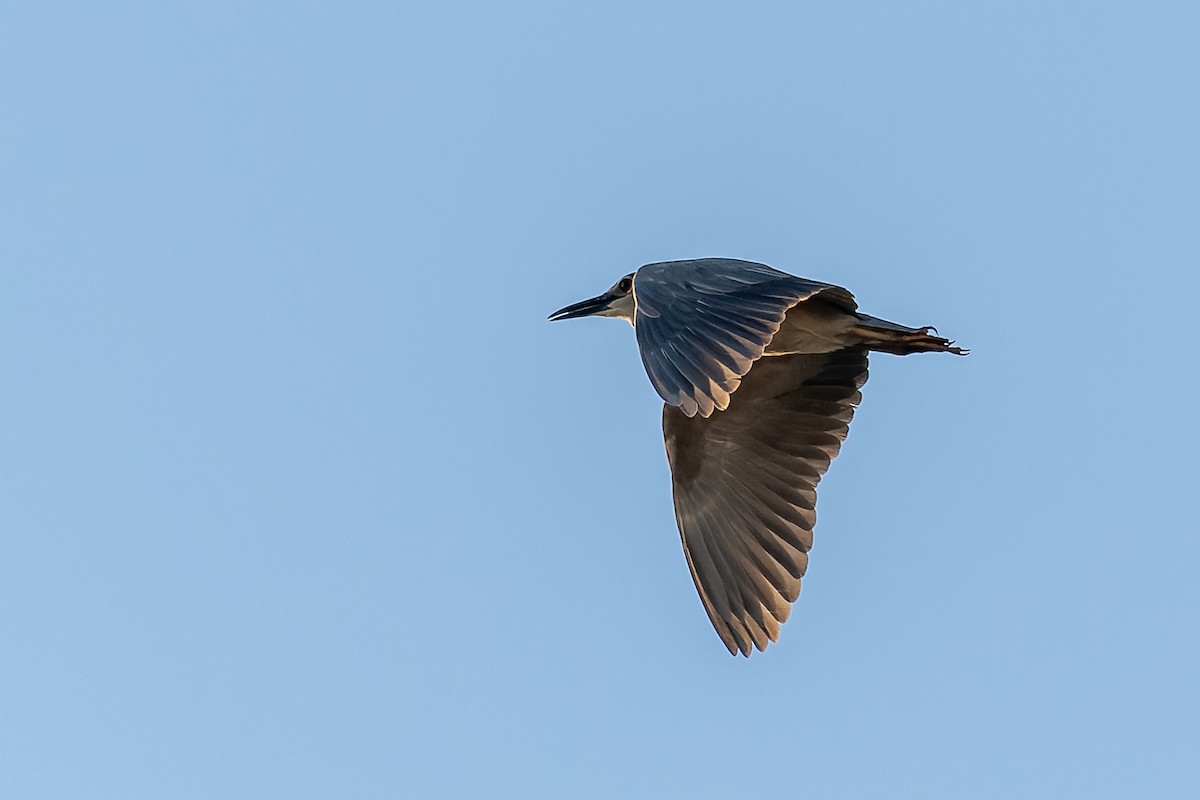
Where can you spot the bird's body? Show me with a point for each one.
(760, 372)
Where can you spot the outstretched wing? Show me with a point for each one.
(745, 486)
(701, 324)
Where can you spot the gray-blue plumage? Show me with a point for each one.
(701, 324)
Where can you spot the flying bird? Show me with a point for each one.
(760, 372)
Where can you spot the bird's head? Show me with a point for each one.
(618, 301)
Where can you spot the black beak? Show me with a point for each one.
(584, 308)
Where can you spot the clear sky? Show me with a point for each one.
(302, 497)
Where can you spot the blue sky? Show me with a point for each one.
(300, 495)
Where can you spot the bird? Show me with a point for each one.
(760, 373)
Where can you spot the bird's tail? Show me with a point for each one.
(889, 337)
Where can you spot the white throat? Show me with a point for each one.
(624, 307)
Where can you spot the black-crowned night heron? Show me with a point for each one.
(761, 373)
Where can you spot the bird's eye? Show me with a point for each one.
(625, 284)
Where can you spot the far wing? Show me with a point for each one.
(745, 486)
(702, 323)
